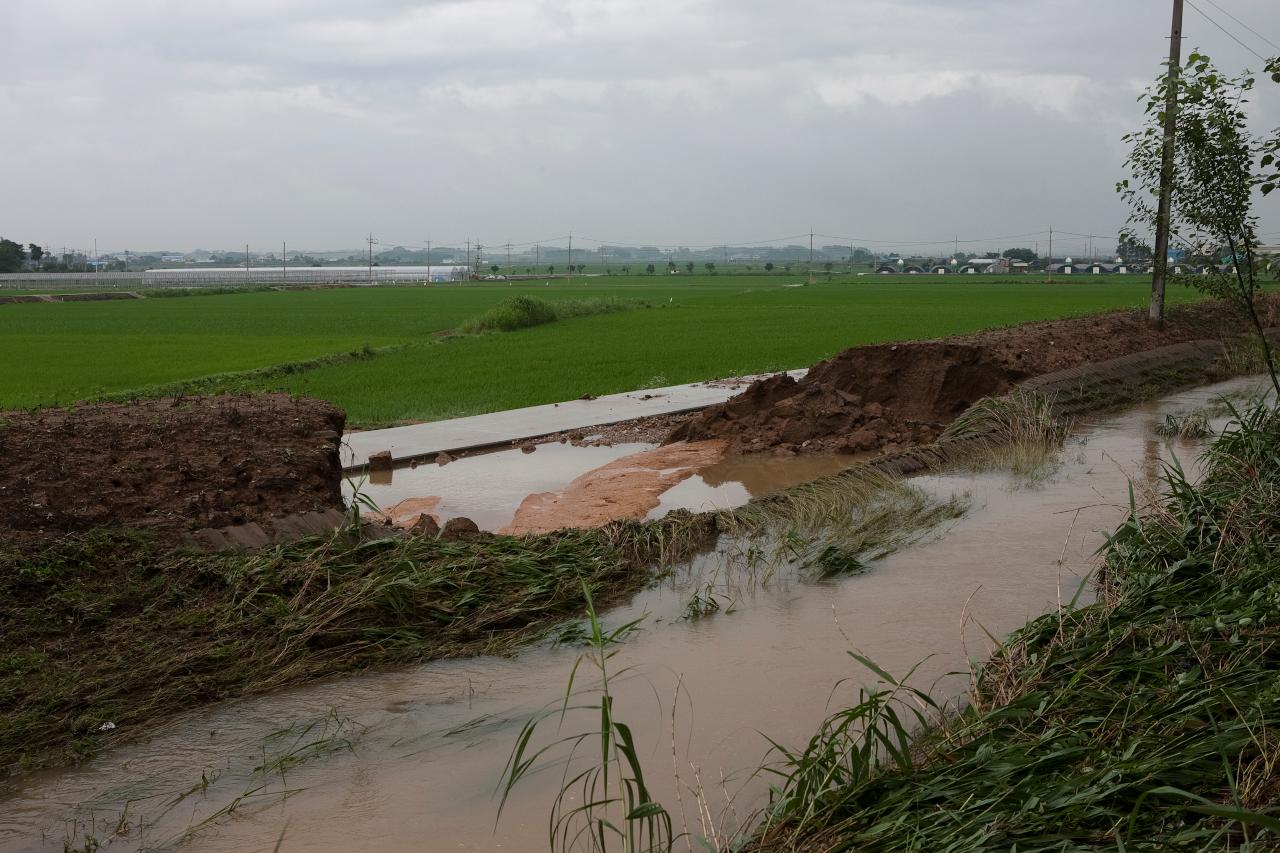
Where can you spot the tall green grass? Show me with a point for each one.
(523, 312)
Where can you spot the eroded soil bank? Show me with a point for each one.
(888, 396)
(170, 466)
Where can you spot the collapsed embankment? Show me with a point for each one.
(888, 396)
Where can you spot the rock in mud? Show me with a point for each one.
(456, 528)
(528, 447)
(380, 461)
(426, 525)
(443, 458)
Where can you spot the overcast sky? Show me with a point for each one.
(149, 124)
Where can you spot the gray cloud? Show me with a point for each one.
(145, 123)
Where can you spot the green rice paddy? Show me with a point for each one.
(694, 328)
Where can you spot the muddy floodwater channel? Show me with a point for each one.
(411, 759)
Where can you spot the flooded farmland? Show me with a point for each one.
(412, 758)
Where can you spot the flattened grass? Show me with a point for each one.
(116, 629)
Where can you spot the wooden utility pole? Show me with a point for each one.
(371, 257)
(1161, 268)
(811, 256)
(1050, 266)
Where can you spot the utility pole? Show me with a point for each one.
(371, 257)
(95, 256)
(510, 271)
(1156, 313)
(811, 256)
(1049, 267)
(429, 261)
(571, 259)
(468, 257)
(537, 258)
(246, 261)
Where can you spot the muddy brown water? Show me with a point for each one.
(428, 743)
(489, 488)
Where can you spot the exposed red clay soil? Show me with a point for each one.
(625, 488)
(884, 396)
(404, 514)
(169, 466)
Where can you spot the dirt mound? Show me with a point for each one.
(857, 401)
(884, 396)
(171, 466)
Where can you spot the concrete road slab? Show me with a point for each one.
(420, 440)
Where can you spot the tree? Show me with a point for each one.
(649, 269)
(11, 256)
(35, 253)
(1218, 163)
(1132, 249)
(1025, 255)
(689, 267)
(827, 266)
(710, 267)
(551, 269)
(494, 269)
(768, 267)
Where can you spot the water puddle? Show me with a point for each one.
(491, 488)
(411, 759)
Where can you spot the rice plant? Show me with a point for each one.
(1019, 432)
(614, 810)
(837, 524)
(1192, 425)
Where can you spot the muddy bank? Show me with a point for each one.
(886, 396)
(627, 488)
(168, 466)
(107, 633)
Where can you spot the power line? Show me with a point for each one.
(1229, 34)
(1243, 24)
